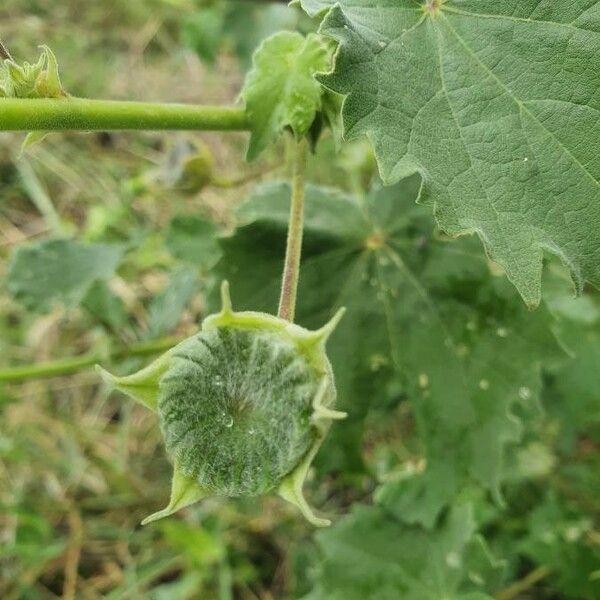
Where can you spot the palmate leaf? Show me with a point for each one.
(426, 321)
(370, 554)
(496, 104)
(59, 271)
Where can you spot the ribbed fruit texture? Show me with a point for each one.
(243, 406)
(235, 407)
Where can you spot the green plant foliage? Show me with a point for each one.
(426, 320)
(370, 554)
(193, 239)
(495, 105)
(165, 308)
(59, 272)
(202, 32)
(38, 80)
(467, 466)
(35, 541)
(281, 90)
(577, 382)
(105, 306)
(249, 23)
(562, 539)
(240, 25)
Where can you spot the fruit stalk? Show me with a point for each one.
(68, 366)
(291, 271)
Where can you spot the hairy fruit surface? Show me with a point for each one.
(243, 406)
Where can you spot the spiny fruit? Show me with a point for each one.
(243, 406)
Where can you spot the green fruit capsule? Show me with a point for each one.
(243, 406)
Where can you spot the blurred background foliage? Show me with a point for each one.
(110, 241)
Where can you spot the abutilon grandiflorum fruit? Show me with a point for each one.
(243, 406)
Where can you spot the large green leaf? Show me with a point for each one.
(53, 272)
(495, 103)
(369, 554)
(426, 321)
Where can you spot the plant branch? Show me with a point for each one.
(518, 587)
(68, 366)
(73, 555)
(4, 53)
(79, 114)
(220, 181)
(291, 271)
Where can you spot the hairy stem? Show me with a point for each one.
(291, 270)
(68, 366)
(79, 114)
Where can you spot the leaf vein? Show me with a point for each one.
(519, 102)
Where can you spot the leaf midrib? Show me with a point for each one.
(459, 128)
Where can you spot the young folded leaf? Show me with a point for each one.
(281, 90)
(38, 80)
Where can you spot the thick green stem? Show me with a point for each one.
(68, 366)
(291, 271)
(79, 114)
